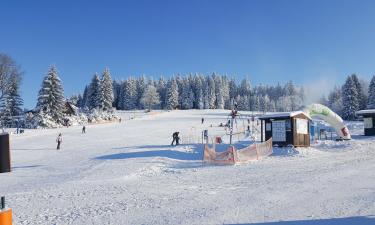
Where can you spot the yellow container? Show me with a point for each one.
(6, 217)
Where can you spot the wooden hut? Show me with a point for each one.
(289, 128)
(70, 109)
(368, 120)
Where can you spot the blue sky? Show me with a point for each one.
(310, 42)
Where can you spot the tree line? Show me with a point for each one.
(354, 95)
(196, 91)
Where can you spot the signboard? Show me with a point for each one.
(278, 131)
(368, 122)
(302, 126)
(268, 126)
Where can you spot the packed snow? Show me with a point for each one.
(128, 173)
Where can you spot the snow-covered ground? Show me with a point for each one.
(127, 173)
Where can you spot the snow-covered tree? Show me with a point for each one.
(107, 90)
(335, 100)
(11, 102)
(10, 79)
(371, 94)
(362, 97)
(129, 96)
(350, 99)
(150, 97)
(9, 71)
(211, 93)
(95, 94)
(162, 90)
(187, 95)
(141, 87)
(51, 99)
(172, 95)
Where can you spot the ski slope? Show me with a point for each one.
(127, 173)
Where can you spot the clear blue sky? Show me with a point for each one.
(268, 41)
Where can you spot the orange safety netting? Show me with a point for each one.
(233, 156)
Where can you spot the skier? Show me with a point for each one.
(83, 130)
(175, 138)
(202, 120)
(59, 140)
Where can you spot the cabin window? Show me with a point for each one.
(301, 126)
(268, 127)
(367, 122)
(278, 131)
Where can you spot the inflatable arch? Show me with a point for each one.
(324, 113)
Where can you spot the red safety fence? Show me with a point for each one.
(233, 156)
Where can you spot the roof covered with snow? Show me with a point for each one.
(283, 114)
(366, 111)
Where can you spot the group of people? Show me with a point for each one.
(59, 138)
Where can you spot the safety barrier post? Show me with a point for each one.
(5, 214)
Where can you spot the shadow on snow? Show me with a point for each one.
(358, 220)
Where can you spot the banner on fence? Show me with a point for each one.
(233, 156)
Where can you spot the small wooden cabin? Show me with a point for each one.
(70, 109)
(289, 128)
(368, 120)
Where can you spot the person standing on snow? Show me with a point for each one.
(83, 130)
(59, 140)
(202, 120)
(176, 138)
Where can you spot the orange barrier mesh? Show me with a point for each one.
(233, 156)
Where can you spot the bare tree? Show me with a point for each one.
(9, 72)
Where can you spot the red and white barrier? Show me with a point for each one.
(233, 156)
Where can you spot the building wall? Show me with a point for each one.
(370, 131)
(300, 140)
(291, 135)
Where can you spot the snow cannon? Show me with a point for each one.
(324, 113)
(5, 214)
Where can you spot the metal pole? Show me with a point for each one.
(231, 130)
(2, 202)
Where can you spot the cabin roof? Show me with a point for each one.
(365, 112)
(283, 115)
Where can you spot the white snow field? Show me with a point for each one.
(127, 173)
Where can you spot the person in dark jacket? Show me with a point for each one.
(176, 138)
(84, 130)
(202, 120)
(59, 140)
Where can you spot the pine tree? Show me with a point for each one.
(130, 94)
(51, 96)
(362, 98)
(150, 97)
(335, 100)
(162, 90)
(107, 90)
(350, 99)
(85, 102)
(211, 93)
(172, 95)
(198, 92)
(95, 94)
(371, 94)
(187, 95)
(12, 101)
(141, 87)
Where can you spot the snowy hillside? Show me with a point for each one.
(127, 173)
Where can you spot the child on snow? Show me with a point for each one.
(59, 140)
